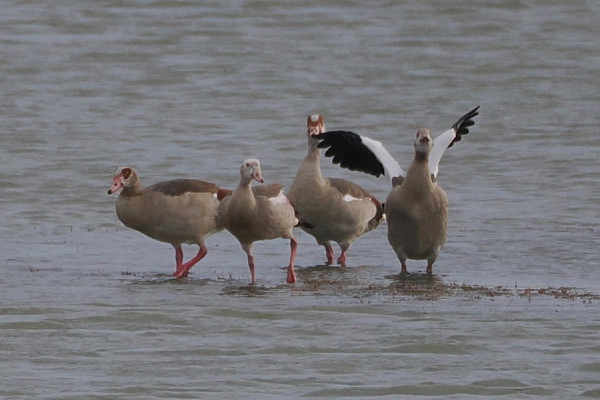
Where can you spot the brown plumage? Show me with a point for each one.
(258, 213)
(330, 209)
(175, 212)
(417, 210)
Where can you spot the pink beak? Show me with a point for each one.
(258, 177)
(314, 130)
(117, 184)
(423, 139)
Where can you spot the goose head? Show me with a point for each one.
(423, 142)
(250, 170)
(124, 177)
(314, 126)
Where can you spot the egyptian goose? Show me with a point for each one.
(175, 212)
(258, 213)
(416, 208)
(330, 209)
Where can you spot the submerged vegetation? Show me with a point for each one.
(431, 287)
(327, 281)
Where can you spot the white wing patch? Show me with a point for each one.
(279, 199)
(390, 166)
(347, 198)
(440, 144)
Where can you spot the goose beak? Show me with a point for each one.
(257, 176)
(117, 184)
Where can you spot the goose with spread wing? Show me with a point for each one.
(417, 207)
(330, 209)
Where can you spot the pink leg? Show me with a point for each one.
(178, 259)
(291, 275)
(342, 258)
(251, 266)
(329, 253)
(248, 250)
(185, 268)
(429, 269)
(404, 269)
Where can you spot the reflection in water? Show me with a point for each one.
(248, 290)
(327, 274)
(422, 285)
(365, 281)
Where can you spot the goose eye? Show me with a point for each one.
(126, 173)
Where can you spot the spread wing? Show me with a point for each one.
(359, 153)
(448, 138)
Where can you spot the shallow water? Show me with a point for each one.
(181, 89)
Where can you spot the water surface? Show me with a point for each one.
(188, 89)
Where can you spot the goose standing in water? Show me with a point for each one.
(331, 210)
(416, 208)
(258, 213)
(175, 212)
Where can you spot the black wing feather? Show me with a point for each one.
(462, 125)
(348, 150)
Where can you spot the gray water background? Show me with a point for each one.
(190, 89)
